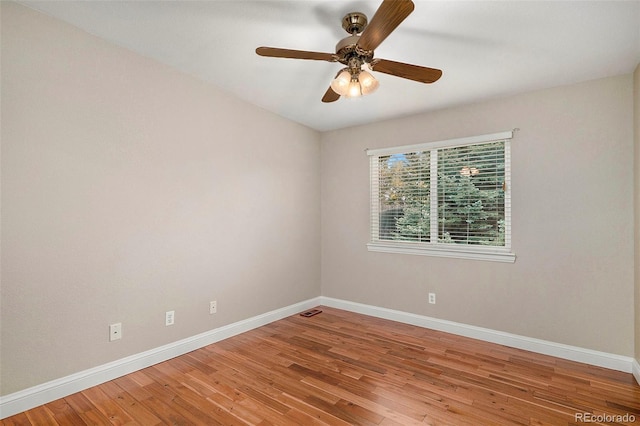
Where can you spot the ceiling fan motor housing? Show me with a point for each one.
(347, 48)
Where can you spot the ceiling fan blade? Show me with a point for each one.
(275, 52)
(386, 19)
(411, 72)
(330, 96)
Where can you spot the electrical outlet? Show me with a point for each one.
(213, 307)
(432, 298)
(115, 332)
(169, 317)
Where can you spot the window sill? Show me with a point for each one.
(490, 255)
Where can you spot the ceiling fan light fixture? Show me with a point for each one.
(354, 83)
(355, 89)
(368, 82)
(341, 83)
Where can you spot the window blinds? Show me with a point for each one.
(449, 193)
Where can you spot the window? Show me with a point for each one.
(449, 198)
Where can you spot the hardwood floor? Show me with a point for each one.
(341, 368)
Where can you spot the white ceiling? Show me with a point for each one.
(486, 49)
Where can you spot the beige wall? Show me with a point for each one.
(636, 120)
(572, 184)
(130, 189)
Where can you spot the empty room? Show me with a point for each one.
(368, 212)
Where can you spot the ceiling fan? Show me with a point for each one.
(356, 52)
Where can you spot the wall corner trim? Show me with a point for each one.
(559, 350)
(636, 370)
(59, 388)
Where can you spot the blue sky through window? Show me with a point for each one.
(395, 158)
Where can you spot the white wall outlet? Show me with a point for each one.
(432, 298)
(115, 331)
(213, 307)
(169, 317)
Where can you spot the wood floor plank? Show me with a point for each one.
(137, 411)
(340, 368)
(41, 416)
(64, 414)
(107, 405)
(20, 419)
(89, 413)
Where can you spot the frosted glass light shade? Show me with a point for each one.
(340, 84)
(368, 82)
(354, 89)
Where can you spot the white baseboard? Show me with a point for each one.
(573, 353)
(41, 394)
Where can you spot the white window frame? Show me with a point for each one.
(434, 248)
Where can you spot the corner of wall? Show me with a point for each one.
(636, 191)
